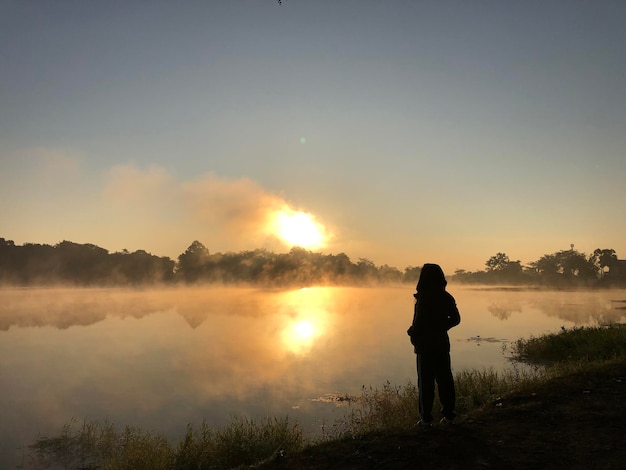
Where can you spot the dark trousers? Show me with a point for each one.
(431, 368)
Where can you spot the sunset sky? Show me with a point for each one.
(411, 131)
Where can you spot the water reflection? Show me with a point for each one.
(307, 310)
(307, 318)
(503, 311)
(64, 308)
(299, 335)
(575, 307)
(579, 308)
(163, 358)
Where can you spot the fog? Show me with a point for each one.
(67, 306)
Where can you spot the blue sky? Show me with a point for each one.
(414, 131)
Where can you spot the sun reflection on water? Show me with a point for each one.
(306, 319)
(304, 329)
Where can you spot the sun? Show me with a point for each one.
(300, 229)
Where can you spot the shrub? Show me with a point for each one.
(599, 343)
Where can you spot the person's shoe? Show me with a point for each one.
(446, 421)
(424, 424)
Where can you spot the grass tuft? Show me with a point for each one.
(91, 446)
(477, 388)
(388, 408)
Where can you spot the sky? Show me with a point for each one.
(407, 131)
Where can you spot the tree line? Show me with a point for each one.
(564, 268)
(89, 265)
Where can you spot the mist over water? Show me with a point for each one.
(161, 359)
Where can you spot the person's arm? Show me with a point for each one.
(454, 317)
(412, 329)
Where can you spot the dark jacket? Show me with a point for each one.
(434, 314)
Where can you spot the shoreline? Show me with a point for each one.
(574, 421)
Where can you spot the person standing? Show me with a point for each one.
(434, 314)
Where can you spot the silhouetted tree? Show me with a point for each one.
(501, 269)
(339, 266)
(547, 267)
(411, 274)
(84, 264)
(576, 265)
(192, 263)
(388, 273)
(366, 270)
(565, 267)
(604, 258)
(498, 262)
(140, 268)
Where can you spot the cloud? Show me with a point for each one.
(238, 205)
(37, 166)
(128, 183)
(224, 213)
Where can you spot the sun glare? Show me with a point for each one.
(304, 329)
(300, 334)
(306, 318)
(300, 229)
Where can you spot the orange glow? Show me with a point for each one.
(304, 329)
(299, 229)
(308, 318)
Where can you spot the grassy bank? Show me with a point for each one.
(387, 412)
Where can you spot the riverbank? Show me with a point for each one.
(575, 421)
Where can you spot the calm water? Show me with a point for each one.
(162, 359)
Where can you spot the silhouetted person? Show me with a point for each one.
(435, 313)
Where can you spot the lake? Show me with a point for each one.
(160, 359)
